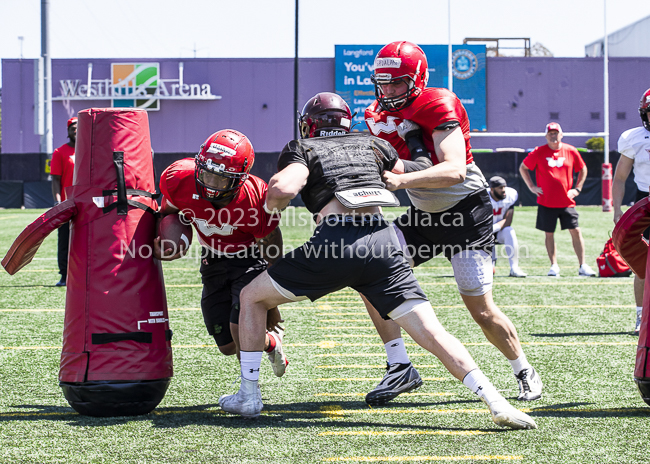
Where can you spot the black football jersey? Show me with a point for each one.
(338, 163)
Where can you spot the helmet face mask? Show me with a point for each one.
(396, 102)
(644, 109)
(325, 114)
(395, 63)
(222, 165)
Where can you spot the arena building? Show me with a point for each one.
(188, 99)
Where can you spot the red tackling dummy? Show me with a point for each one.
(116, 358)
(175, 234)
(630, 244)
(628, 236)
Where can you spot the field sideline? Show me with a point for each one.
(576, 331)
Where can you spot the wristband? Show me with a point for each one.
(574, 188)
(272, 211)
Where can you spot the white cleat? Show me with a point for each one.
(505, 415)
(530, 385)
(276, 357)
(516, 272)
(554, 271)
(247, 402)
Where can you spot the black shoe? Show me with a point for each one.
(60, 283)
(399, 378)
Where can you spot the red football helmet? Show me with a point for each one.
(223, 164)
(400, 62)
(324, 114)
(644, 107)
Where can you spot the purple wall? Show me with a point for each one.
(521, 94)
(245, 85)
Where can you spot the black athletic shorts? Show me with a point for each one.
(363, 254)
(223, 279)
(640, 195)
(547, 218)
(465, 226)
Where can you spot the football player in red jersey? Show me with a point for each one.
(451, 212)
(226, 205)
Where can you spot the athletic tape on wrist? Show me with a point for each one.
(272, 211)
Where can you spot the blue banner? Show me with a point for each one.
(354, 66)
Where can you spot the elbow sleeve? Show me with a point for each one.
(420, 159)
(418, 165)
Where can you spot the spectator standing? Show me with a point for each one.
(634, 147)
(554, 165)
(62, 171)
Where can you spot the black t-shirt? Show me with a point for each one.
(338, 163)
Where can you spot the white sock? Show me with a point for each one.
(476, 381)
(250, 364)
(511, 246)
(396, 352)
(519, 364)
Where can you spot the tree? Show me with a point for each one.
(540, 50)
(595, 144)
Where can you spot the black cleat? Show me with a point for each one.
(399, 378)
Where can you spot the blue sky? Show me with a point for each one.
(265, 28)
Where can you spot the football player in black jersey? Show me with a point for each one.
(339, 178)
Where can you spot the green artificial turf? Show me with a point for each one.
(576, 331)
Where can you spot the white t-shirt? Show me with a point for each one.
(436, 200)
(500, 207)
(635, 144)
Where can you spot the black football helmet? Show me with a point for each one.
(324, 114)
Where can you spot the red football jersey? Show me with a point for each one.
(554, 173)
(62, 164)
(429, 110)
(225, 230)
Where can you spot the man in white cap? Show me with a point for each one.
(555, 164)
(503, 199)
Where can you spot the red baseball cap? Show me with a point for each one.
(72, 121)
(553, 126)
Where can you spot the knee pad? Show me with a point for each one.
(473, 272)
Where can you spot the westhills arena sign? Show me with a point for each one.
(134, 85)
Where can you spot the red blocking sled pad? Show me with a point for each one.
(117, 356)
(630, 244)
